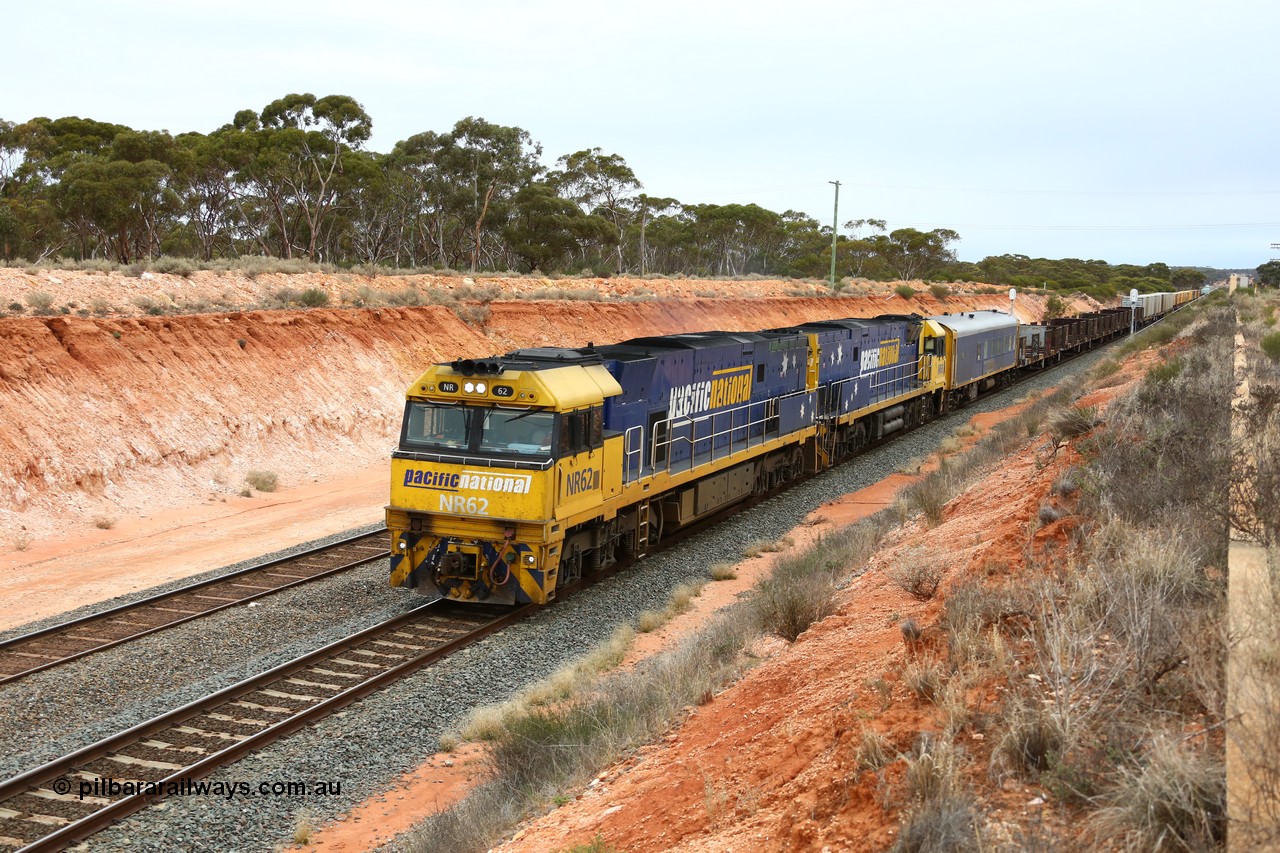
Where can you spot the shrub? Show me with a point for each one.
(1271, 346)
(1072, 423)
(263, 481)
(650, 620)
(1030, 738)
(930, 495)
(314, 297)
(407, 297)
(943, 815)
(40, 301)
(798, 593)
(174, 266)
(474, 315)
(906, 291)
(939, 291)
(16, 307)
(924, 679)
(1176, 798)
(103, 522)
(723, 572)
(918, 578)
(100, 306)
(874, 750)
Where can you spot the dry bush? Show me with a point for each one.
(924, 678)
(1048, 514)
(971, 616)
(104, 522)
(874, 750)
(537, 754)
(411, 297)
(723, 571)
(40, 301)
(917, 577)
(304, 826)
(566, 294)
(942, 814)
(1072, 423)
(1145, 592)
(800, 591)
(1030, 740)
(474, 315)
(1175, 799)
(931, 494)
(184, 267)
(911, 633)
(263, 481)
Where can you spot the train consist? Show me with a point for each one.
(517, 474)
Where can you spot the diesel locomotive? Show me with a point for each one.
(516, 474)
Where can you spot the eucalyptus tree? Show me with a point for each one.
(600, 183)
(213, 217)
(297, 173)
(733, 239)
(911, 253)
(642, 208)
(431, 230)
(486, 164)
(546, 232)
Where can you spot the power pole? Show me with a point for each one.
(835, 217)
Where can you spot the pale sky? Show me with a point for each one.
(1120, 130)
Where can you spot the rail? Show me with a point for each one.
(67, 641)
(31, 801)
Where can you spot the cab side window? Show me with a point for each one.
(582, 430)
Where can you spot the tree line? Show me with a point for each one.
(295, 180)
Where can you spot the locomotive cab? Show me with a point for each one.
(496, 460)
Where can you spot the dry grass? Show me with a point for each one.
(723, 571)
(924, 678)
(874, 750)
(537, 752)
(263, 481)
(1174, 798)
(104, 522)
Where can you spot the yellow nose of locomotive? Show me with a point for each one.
(474, 512)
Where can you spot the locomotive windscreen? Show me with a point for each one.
(469, 429)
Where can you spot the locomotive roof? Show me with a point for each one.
(851, 323)
(534, 358)
(642, 347)
(971, 322)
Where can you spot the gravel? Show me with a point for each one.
(365, 747)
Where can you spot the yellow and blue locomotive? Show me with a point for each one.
(517, 474)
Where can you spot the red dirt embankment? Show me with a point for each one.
(116, 417)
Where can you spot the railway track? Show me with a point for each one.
(70, 798)
(49, 647)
